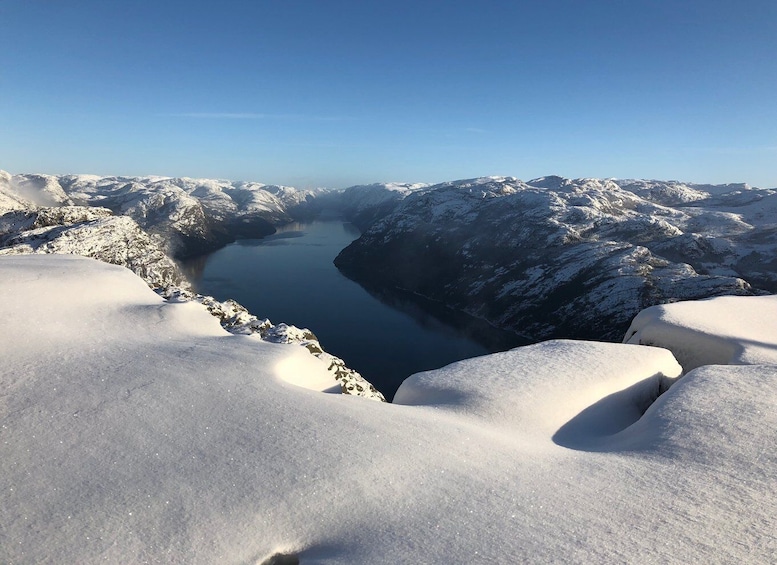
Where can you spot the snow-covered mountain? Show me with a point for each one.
(185, 216)
(175, 428)
(136, 430)
(526, 256)
(574, 258)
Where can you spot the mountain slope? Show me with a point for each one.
(90, 232)
(556, 257)
(95, 232)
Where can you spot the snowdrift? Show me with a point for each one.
(138, 430)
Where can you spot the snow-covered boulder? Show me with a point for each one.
(571, 392)
(719, 331)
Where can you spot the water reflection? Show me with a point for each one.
(289, 277)
(439, 318)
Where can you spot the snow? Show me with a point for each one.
(134, 429)
(137, 430)
(721, 330)
(538, 389)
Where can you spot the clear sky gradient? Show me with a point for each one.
(340, 92)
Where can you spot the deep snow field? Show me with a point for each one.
(136, 430)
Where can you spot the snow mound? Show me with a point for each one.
(714, 403)
(538, 389)
(725, 330)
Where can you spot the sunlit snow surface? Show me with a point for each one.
(722, 330)
(135, 430)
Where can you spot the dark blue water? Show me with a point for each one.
(289, 277)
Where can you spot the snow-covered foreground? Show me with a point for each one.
(136, 430)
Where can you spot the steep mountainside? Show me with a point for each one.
(556, 257)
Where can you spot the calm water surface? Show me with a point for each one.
(289, 277)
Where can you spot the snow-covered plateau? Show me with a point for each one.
(138, 430)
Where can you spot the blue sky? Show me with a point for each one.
(335, 92)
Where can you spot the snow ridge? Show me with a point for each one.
(236, 319)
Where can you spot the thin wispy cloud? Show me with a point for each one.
(255, 116)
(736, 150)
(445, 132)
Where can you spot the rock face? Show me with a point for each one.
(555, 257)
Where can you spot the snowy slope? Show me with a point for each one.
(555, 257)
(118, 240)
(91, 231)
(23, 191)
(137, 430)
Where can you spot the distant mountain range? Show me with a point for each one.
(187, 217)
(550, 257)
